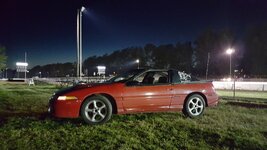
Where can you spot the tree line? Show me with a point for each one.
(250, 56)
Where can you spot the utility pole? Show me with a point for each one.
(6, 72)
(25, 67)
(207, 69)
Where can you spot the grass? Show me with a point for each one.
(23, 98)
(25, 125)
(250, 96)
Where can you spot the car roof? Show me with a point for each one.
(152, 69)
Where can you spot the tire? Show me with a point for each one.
(96, 110)
(194, 106)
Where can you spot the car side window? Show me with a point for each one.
(175, 77)
(153, 78)
(148, 78)
(161, 78)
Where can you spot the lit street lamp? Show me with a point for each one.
(79, 41)
(230, 51)
(137, 61)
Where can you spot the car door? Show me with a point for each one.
(152, 92)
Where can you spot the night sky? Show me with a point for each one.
(46, 29)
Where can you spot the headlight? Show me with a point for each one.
(63, 98)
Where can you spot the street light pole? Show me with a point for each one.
(81, 57)
(79, 42)
(137, 61)
(230, 52)
(230, 65)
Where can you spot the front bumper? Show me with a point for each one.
(64, 109)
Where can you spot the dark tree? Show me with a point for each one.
(205, 43)
(3, 57)
(149, 57)
(163, 56)
(184, 56)
(54, 70)
(255, 57)
(216, 44)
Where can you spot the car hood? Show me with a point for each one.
(79, 87)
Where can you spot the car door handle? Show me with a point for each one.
(170, 89)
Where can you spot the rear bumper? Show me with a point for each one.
(64, 109)
(213, 99)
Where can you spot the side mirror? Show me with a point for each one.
(132, 83)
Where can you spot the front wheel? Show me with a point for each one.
(194, 106)
(96, 110)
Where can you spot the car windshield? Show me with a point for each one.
(125, 76)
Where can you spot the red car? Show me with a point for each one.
(136, 91)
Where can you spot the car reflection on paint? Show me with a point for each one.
(136, 91)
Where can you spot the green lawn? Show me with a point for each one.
(25, 125)
(252, 96)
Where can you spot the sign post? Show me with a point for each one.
(22, 67)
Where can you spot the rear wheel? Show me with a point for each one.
(194, 106)
(96, 110)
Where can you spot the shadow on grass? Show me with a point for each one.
(4, 116)
(37, 116)
(43, 116)
(248, 105)
(264, 134)
(245, 99)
